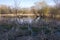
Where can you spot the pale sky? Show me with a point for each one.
(23, 3)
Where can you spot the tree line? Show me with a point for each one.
(41, 8)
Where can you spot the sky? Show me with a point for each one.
(23, 3)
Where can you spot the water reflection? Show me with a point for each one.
(24, 20)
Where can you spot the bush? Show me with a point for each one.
(24, 28)
(6, 26)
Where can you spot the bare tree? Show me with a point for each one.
(57, 2)
(16, 4)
